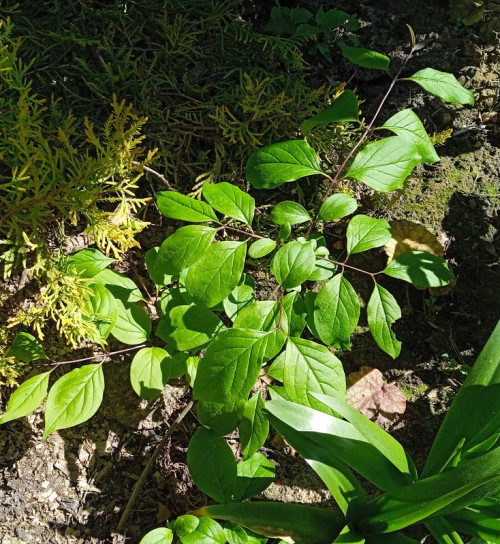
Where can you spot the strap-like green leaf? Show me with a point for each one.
(289, 211)
(310, 368)
(273, 165)
(481, 520)
(366, 58)
(344, 108)
(364, 233)
(254, 426)
(212, 465)
(407, 125)
(150, 372)
(27, 397)
(184, 208)
(74, 398)
(184, 247)
(382, 311)
(211, 278)
(304, 524)
(385, 164)
(230, 200)
(335, 312)
(444, 85)
(420, 268)
(337, 206)
(293, 264)
(442, 530)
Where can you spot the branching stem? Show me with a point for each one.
(98, 356)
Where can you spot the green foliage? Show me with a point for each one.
(457, 491)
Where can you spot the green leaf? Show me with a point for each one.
(230, 200)
(364, 233)
(480, 520)
(333, 18)
(382, 311)
(27, 397)
(289, 211)
(26, 347)
(275, 164)
(231, 365)
(323, 270)
(254, 426)
(335, 312)
(212, 465)
(192, 327)
(420, 268)
(444, 85)
(162, 535)
(407, 125)
(344, 108)
(88, 262)
(184, 247)
(133, 325)
(103, 308)
(284, 232)
(220, 418)
(294, 318)
(337, 206)
(211, 278)
(240, 297)
(205, 531)
(293, 264)
(235, 534)
(366, 58)
(310, 368)
(74, 398)
(120, 286)
(303, 524)
(150, 371)
(385, 164)
(261, 248)
(254, 476)
(156, 269)
(184, 208)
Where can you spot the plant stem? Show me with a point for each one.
(344, 265)
(99, 356)
(251, 234)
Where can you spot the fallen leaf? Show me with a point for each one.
(409, 236)
(370, 394)
(163, 513)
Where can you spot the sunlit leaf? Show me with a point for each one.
(382, 311)
(344, 108)
(293, 264)
(261, 248)
(289, 211)
(230, 200)
(254, 426)
(366, 58)
(26, 347)
(420, 268)
(444, 85)
(150, 371)
(255, 474)
(364, 233)
(184, 208)
(337, 206)
(88, 262)
(27, 397)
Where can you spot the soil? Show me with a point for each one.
(73, 487)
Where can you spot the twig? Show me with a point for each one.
(154, 173)
(98, 356)
(140, 482)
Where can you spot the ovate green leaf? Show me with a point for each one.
(202, 531)
(336, 312)
(220, 418)
(120, 286)
(230, 200)
(212, 465)
(155, 268)
(275, 164)
(254, 426)
(337, 206)
(26, 347)
(344, 108)
(162, 535)
(289, 211)
(254, 476)
(27, 397)
(293, 264)
(103, 308)
(240, 297)
(364, 233)
(192, 326)
(444, 85)
(211, 278)
(74, 398)
(420, 268)
(184, 247)
(311, 368)
(366, 58)
(294, 314)
(150, 371)
(88, 262)
(133, 325)
(385, 164)
(261, 247)
(382, 311)
(184, 208)
(407, 125)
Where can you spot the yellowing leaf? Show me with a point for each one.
(409, 236)
(373, 397)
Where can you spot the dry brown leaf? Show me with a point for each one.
(370, 394)
(163, 513)
(409, 236)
